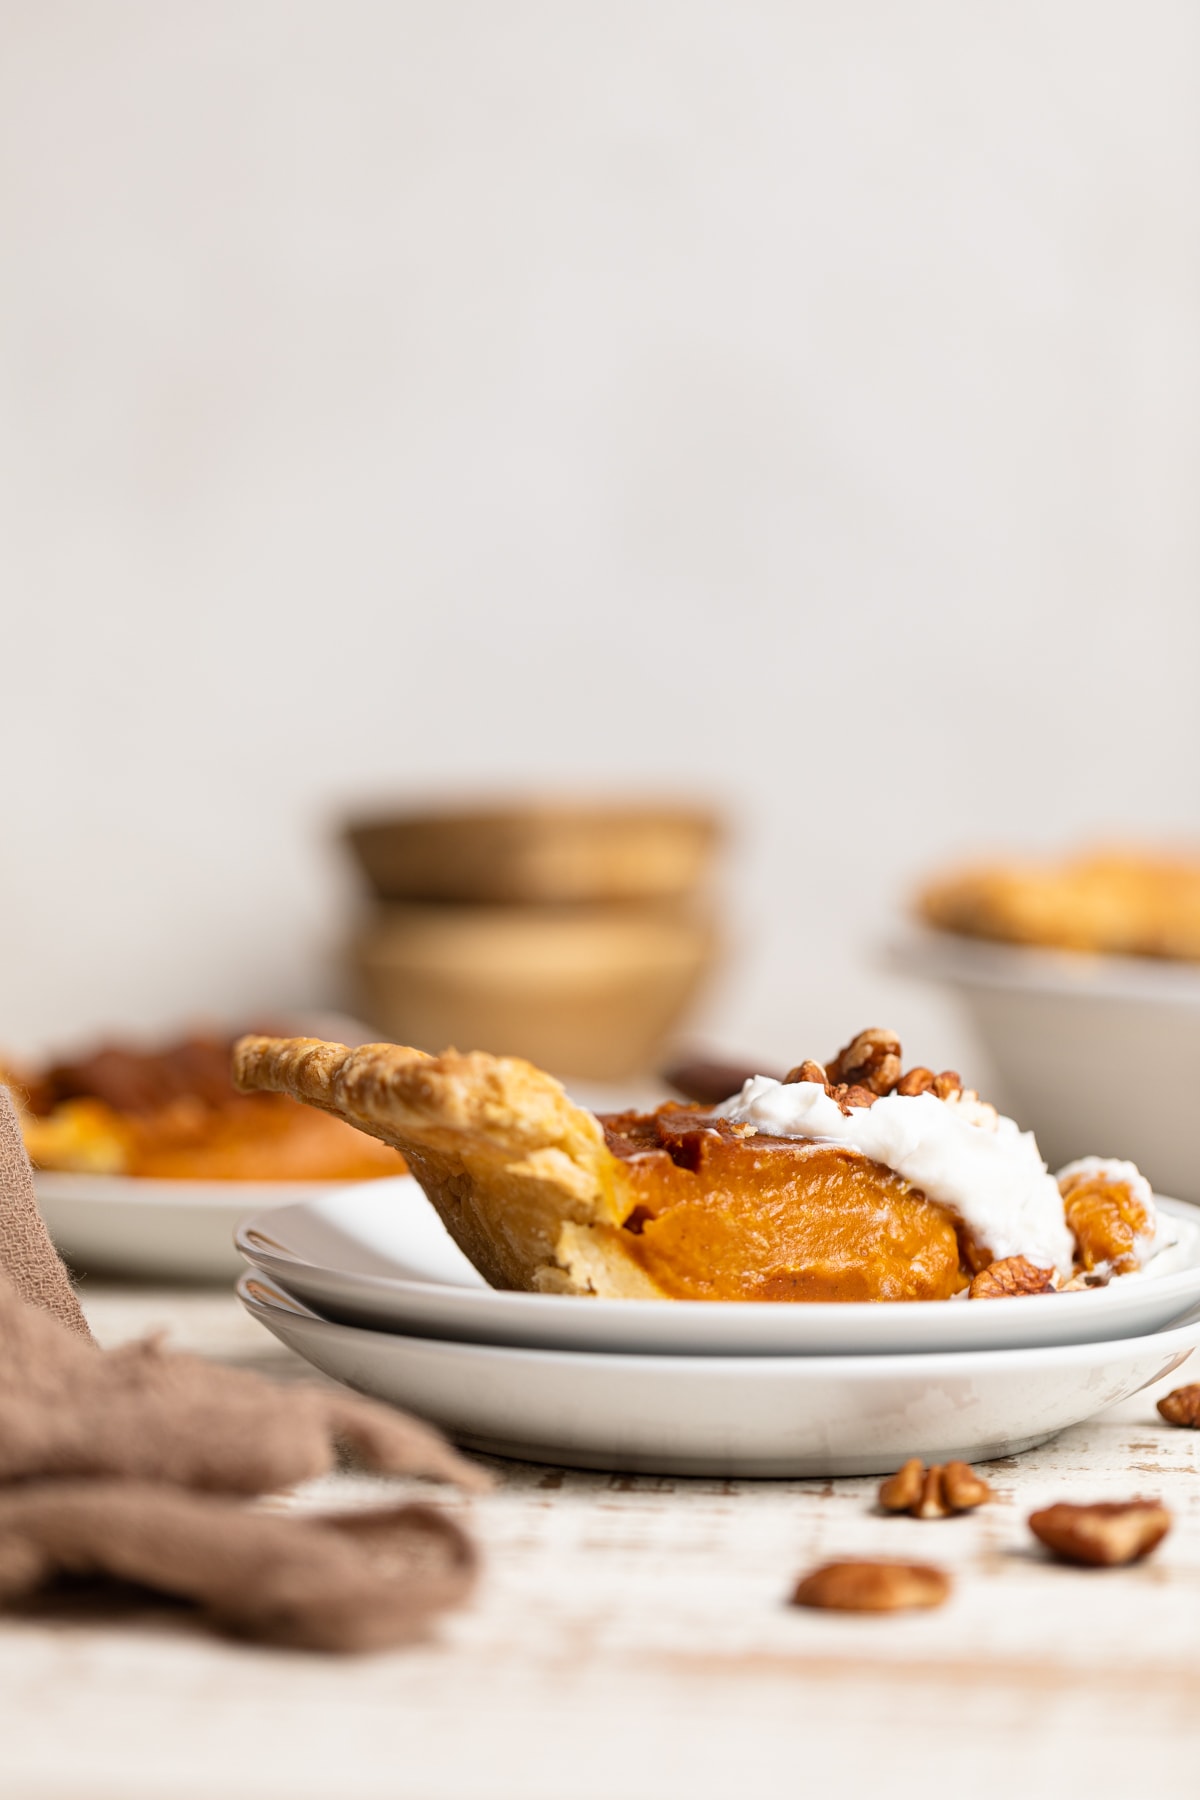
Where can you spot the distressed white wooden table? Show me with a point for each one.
(630, 1639)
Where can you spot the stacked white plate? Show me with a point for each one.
(366, 1285)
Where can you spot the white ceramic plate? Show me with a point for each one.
(379, 1256)
(173, 1230)
(1089, 1052)
(728, 1415)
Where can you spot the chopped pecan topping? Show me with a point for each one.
(917, 1081)
(1011, 1276)
(807, 1071)
(869, 1067)
(923, 1081)
(850, 1094)
(872, 1587)
(933, 1493)
(1103, 1535)
(1182, 1407)
(870, 1060)
(846, 1093)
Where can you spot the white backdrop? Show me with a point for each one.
(795, 402)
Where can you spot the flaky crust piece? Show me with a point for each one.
(516, 1170)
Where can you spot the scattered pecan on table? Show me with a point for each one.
(872, 1587)
(1104, 1535)
(933, 1493)
(1182, 1407)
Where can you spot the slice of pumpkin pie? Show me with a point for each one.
(851, 1182)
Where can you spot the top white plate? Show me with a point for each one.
(378, 1255)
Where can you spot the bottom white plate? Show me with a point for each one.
(700, 1415)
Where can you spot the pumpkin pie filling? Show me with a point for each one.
(1110, 1209)
(717, 1212)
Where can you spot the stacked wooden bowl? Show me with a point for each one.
(574, 935)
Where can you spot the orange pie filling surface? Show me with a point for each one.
(713, 1211)
(1108, 1219)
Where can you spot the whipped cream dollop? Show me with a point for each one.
(960, 1153)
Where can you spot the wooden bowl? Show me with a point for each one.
(590, 991)
(547, 853)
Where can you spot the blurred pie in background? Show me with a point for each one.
(1123, 902)
(173, 1114)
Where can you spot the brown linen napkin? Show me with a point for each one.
(147, 1425)
(26, 1254)
(68, 1408)
(341, 1581)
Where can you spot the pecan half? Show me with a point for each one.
(872, 1587)
(847, 1094)
(807, 1071)
(870, 1060)
(902, 1491)
(933, 1493)
(1013, 1275)
(917, 1081)
(1104, 1535)
(963, 1488)
(850, 1094)
(1182, 1407)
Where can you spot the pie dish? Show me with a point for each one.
(857, 1182)
(1116, 902)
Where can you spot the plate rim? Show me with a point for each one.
(912, 1362)
(82, 1187)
